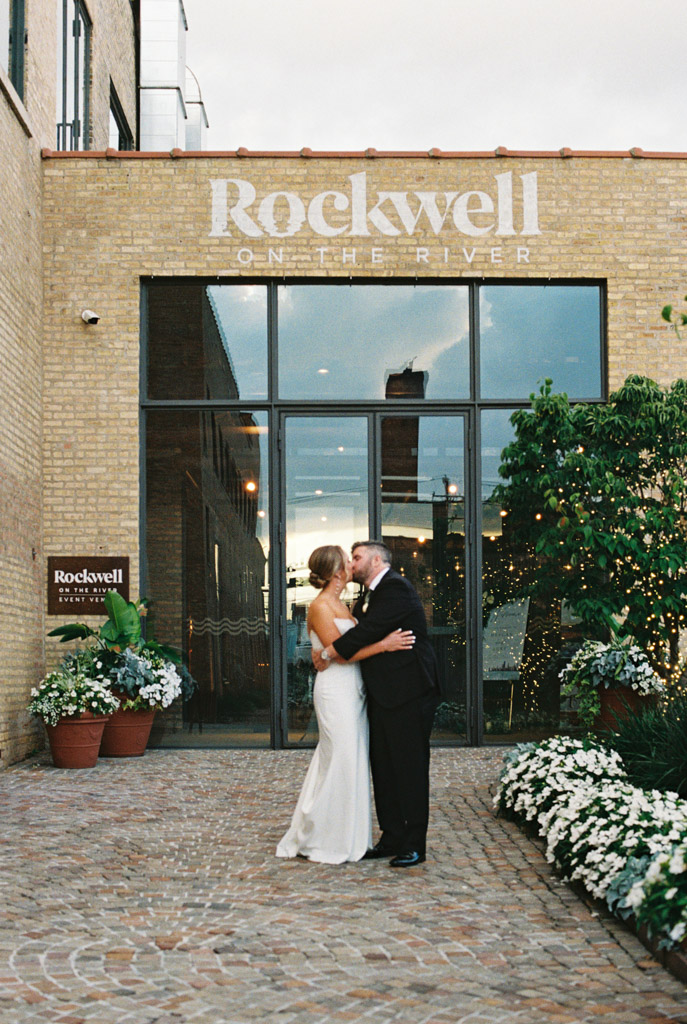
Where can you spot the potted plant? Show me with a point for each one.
(144, 675)
(608, 681)
(145, 683)
(74, 708)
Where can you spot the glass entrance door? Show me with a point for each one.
(423, 522)
(398, 477)
(326, 501)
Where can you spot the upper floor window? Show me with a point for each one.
(12, 42)
(73, 75)
(120, 134)
(457, 341)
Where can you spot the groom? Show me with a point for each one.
(403, 693)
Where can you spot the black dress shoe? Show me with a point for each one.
(379, 850)
(408, 859)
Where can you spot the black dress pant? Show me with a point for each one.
(399, 758)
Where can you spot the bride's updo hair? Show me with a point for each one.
(323, 563)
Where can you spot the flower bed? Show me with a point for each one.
(624, 844)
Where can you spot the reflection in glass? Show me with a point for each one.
(341, 342)
(207, 342)
(326, 503)
(207, 546)
(538, 331)
(522, 636)
(5, 35)
(423, 522)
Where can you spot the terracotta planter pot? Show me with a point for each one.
(617, 705)
(75, 742)
(126, 733)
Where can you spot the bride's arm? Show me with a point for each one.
(321, 620)
(399, 640)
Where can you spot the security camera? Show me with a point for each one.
(89, 317)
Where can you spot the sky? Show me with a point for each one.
(452, 74)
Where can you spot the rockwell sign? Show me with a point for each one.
(236, 208)
(81, 583)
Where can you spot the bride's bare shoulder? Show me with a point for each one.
(319, 611)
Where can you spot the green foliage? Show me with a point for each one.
(122, 628)
(68, 693)
(595, 665)
(653, 746)
(600, 491)
(659, 899)
(633, 872)
(122, 632)
(674, 318)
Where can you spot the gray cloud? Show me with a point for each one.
(396, 74)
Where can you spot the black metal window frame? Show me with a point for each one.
(16, 44)
(276, 409)
(76, 33)
(126, 138)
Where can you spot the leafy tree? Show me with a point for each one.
(600, 492)
(675, 318)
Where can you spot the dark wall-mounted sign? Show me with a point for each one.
(79, 584)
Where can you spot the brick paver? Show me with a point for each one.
(147, 890)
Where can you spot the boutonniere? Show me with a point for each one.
(366, 601)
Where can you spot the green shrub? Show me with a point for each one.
(653, 746)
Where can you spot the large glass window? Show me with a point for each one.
(374, 392)
(340, 342)
(73, 75)
(521, 636)
(530, 332)
(207, 553)
(207, 341)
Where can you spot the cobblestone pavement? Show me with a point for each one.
(147, 890)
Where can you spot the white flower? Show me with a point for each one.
(677, 862)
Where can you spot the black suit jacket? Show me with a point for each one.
(397, 676)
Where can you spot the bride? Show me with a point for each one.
(332, 822)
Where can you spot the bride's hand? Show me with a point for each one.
(399, 640)
(319, 662)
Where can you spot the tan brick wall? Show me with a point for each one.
(40, 79)
(24, 129)
(112, 56)
(110, 222)
(622, 220)
(21, 559)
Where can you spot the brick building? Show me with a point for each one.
(295, 349)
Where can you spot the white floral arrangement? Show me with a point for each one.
(65, 694)
(659, 898)
(591, 834)
(615, 664)
(621, 842)
(536, 776)
(148, 680)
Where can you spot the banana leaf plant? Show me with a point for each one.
(122, 629)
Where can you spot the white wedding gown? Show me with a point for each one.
(332, 822)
